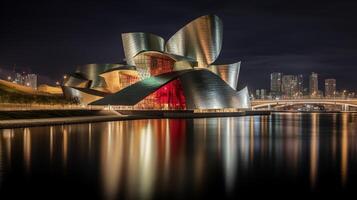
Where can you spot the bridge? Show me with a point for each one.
(345, 104)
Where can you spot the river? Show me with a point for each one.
(282, 154)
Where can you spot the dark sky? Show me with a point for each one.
(50, 37)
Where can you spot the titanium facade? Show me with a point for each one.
(201, 40)
(228, 72)
(180, 74)
(135, 43)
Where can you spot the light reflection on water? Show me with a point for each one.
(145, 159)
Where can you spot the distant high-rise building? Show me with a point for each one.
(31, 81)
(19, 79)
(257, 94)
(263, 93)
(330, 87)
(275, 84)
(314, 85)
(290, 86)
(300, 89)
(260, 94)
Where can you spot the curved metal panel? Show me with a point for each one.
(133, 94)
(134, 43)
(243, 96)
(206, 90)
(202, 88)
(228, 72)
(84, 96)
(76, 81)
(121, 67)
(201, 39)
(92, 72)
(114, 78)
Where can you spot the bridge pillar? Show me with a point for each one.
(345, 107)
(269, 107)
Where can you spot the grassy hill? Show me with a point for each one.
(13, 93)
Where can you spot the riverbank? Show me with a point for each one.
(321, 112)
(18, 119)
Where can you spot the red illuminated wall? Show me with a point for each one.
(169, 96)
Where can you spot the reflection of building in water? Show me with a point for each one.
(230, 149)
(112, 153)
(65, 145)
(344, 149)
(27, 148)
(135, 154)
(148, 158)
(314, 149)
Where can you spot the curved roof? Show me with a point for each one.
(228, 72)
(123, 67)
(200, 39)
(136, 42)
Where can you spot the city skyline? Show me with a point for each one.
(297, 86)
(315, 37)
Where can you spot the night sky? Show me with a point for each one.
(50, 37)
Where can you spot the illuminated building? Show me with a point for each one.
(275, 84)
(330, 88)
(314, 85)
(263, 93)
(290, 86)
(19, 79)
(180, 73)
(257, 94)
(31, 81)
(260, 93)
(300, 86)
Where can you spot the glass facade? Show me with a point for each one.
(152, 64)
(126, 80)
(275, 84)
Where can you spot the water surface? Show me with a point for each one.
(278, 155)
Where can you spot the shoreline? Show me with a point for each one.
(106, 116)
(118, 116)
